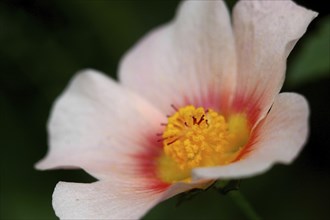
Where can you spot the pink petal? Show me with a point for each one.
(108, 200)
(266, 32)
(101, 200)
(95, 123)
(278, 139)
(189, 60)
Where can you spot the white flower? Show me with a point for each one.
(227, 118)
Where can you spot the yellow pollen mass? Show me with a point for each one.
(195, 137)
(192, 133)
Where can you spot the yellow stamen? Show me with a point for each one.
(194, 138)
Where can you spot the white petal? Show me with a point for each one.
(190, 60)
(278, 139)
(101, 200)
(266, 32)
(95, 122)
(110, 200)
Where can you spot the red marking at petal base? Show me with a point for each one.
(146, 166)
(248, 104)
(248, 148)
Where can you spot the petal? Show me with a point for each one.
(278, 139)
(109, 200)
(95, 122)
(266, 32)
(101, 200)
(186, 60)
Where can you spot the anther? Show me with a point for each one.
(194, 120)
(171, 142)
(200, 120)
(175, 108)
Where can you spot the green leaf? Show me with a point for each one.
(313, 61)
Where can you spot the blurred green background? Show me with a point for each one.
(43, 43)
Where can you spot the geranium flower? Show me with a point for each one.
(219, 85)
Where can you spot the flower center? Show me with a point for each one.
(195, 137)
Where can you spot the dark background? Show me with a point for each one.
(43, 43)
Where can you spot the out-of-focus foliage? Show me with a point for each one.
(313, 61)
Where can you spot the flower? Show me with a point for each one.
(219, 84)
